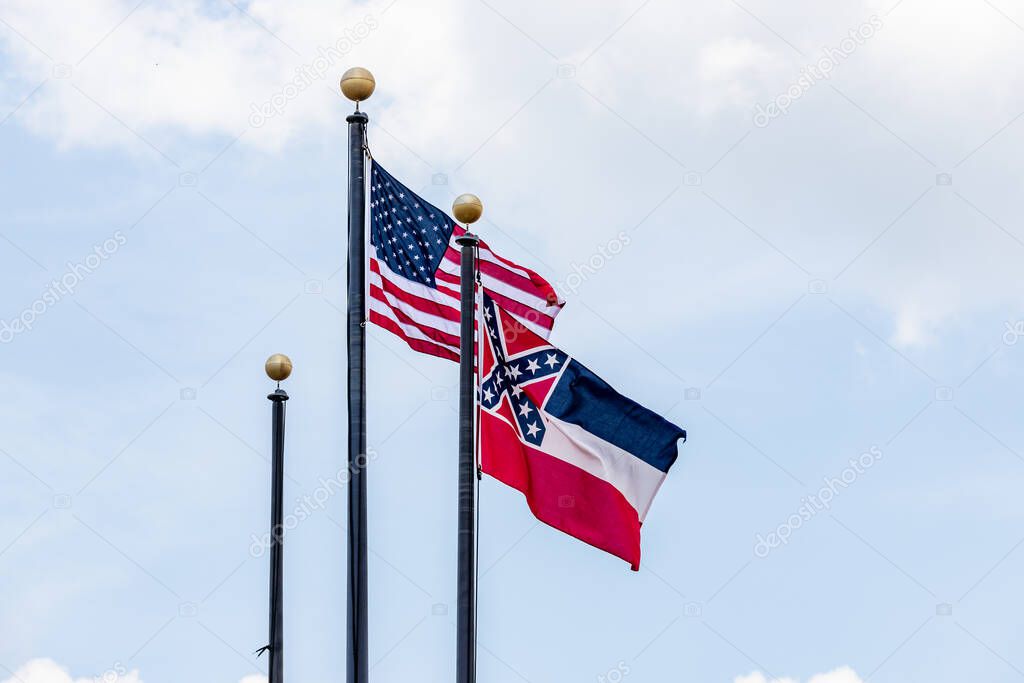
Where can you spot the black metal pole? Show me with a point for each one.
(276, 646)
(356, 644)
(465, 664)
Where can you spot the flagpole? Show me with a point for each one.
(467, 209)
(278, 367)
(357, 84)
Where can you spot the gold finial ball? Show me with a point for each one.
(467, 208)
(357, 84)
(278, 367)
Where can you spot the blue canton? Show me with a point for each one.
(410, 235)
(504, 379)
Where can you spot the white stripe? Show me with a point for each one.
(439, 297)
(412, 287)
(410, 331)
(421, 317)
(634, 478)
(540, 331)
(528, 290)
(488, 255)
(511, 291)
(517, 295)
(531, 325)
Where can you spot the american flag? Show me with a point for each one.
(414, 273)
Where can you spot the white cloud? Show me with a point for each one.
(175, 71)
(179, 68)
(195, 68)
(48, 671)
(731, 71)
(951, 51)
(45, 670)
(688, 77)
(843, 674)
(186, 70)
(758, 677)
(182, 67)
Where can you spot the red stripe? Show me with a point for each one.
(375, 267)
(443, 277)
(539, 283)
(419, 303)
(525, 311)
(502, 274)
(415, 344)
(521, 310)
(510, 278)
(424, 327)
(453, 293)
(447, 277)
(560, 494)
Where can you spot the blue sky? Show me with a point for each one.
(839, 280)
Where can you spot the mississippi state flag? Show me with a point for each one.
(588, 459)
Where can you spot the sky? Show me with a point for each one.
(789, 228)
